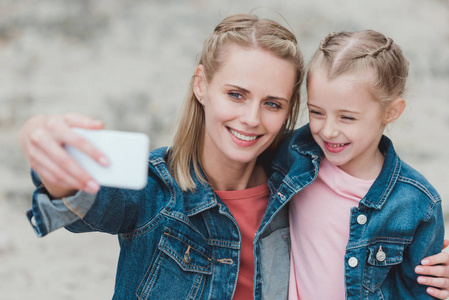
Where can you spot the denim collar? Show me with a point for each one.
(298, 171)
(384, 183)
(195, 202)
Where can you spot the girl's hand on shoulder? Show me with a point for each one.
(438, 266)
(42, 139)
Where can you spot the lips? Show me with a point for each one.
(334, 147)
(243, 139)
(242, 136)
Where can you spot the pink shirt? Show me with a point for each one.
(319, 226)
(248, 207)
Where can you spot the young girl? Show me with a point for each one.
(209, 224)
(361, 227)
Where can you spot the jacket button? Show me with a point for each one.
(361, 219)
(187, 258)
(380, 255)
(353, 262)
(33, 221)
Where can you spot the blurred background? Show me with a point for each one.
(129, 63)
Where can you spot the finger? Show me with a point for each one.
(438, 271)
(62, 182)
(57, 173)
(440, 258)
(440, 294)
(75, 120)
(66, 136)
(442, 283)
(445, 243)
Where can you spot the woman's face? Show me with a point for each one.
(245, 104)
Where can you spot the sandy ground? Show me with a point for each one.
(129, 63)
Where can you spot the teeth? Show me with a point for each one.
(336, 145)
(243, 137)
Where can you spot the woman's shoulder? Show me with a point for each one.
(158, 170)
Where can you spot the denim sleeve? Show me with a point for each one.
(428, 240)
(111, 210)
(47, 215)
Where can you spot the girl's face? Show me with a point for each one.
(346, 120)
(245, 104)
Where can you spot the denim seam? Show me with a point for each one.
(72, 208)
(155, 267)
(421, 187)
(191, 247)
(199, 208)
(149, 270)
(142, 230)
(379, 239)
(162, 171)
(391, 183)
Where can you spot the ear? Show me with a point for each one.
(394, 110)
(199, 84)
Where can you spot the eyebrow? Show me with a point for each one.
(341, 110)
(248, 92)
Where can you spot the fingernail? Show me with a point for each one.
(419, 269)
(425, 262)
(422, 280)
(103, 160)
(93, 122)
(91, 187)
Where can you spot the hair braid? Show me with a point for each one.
(326, 41)
(350, 53)
(376, 52)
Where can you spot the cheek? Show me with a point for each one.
(314, 126)
(273, 123)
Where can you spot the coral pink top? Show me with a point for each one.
(248, 207)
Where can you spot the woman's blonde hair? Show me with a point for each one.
(244, 30)
(347, 53)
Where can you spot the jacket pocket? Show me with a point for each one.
(180, 269)
(380, 259)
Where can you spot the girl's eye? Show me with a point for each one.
(348, 118)
(315, 112)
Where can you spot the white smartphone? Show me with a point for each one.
(127, 153)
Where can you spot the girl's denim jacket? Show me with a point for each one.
(186, 245)
(396, 224)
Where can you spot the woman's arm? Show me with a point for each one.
(42, 140)
(435, 271)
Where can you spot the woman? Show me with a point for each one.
(210, 223)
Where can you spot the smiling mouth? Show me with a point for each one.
(335, 145)
(243, 137)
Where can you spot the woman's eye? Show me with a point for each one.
(235, 95)
(272, 104)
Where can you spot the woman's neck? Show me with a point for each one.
(226, 176)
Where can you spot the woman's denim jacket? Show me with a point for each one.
(182, 245)
(174, 244)
(396, 224)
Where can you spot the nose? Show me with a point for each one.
(330, 129)
(251, 114)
